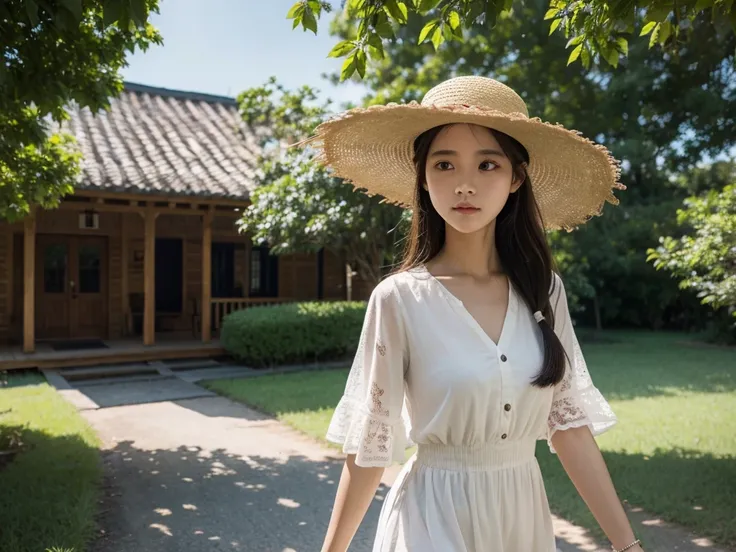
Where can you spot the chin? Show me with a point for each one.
(465, 224)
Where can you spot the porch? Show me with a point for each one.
(113, 351)
(151, 277)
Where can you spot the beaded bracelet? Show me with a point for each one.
(637, 541)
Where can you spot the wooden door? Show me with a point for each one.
(71, 287)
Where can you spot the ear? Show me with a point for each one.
(517, 182)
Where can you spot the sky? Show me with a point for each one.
(226, 46)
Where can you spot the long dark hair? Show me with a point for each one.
(520, 240)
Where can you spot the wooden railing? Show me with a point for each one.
(222, 306)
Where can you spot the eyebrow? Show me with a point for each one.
(479, 152)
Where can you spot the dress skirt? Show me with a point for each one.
(461, 499)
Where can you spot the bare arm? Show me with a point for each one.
(584, 464)
(355, 492)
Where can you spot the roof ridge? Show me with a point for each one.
(179, 94)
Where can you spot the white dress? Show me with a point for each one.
(425, 372)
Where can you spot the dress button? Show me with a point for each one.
(503, 358)
(507, 407)
(504, 436)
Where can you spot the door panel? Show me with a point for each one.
(89, 293)
(53, 302)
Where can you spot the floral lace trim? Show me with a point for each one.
(565, 411)
(376, 394)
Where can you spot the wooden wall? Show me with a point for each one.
(298, 274)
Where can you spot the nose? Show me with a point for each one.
(465, 187)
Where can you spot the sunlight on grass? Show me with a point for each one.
(50, 490)
(673, 452)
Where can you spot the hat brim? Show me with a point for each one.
(372, 148)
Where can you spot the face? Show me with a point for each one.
(469, 178)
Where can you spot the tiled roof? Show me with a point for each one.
(166, 142)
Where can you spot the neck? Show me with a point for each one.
(473, 254)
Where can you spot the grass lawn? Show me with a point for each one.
(49, 492)
(673, 452)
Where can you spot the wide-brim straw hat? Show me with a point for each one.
(572, 177)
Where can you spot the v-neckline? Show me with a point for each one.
(460, 308)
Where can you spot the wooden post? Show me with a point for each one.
(149, 279)
(206, 276)
(29, 283)
(124, 288)
(9, 264)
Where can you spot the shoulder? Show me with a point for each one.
(394, 289)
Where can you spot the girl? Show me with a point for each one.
(469, 350)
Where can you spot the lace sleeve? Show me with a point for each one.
(371, 418)
(576, 401)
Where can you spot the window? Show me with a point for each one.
(89, 269)
(54, 268)
(264, 273)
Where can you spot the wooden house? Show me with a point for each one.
(148, 247)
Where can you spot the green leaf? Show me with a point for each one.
(664, 32)
(428, 28)
(397, 10)
(309, 21)
(348, 67)
(554, 25)
(655, 34)
(32, 11)
(137, 7)
(437, 38)
(75, 8)
(296, 10)
(623, 45)
(701, 5)
(383, 26)
(585, 57)
(111, 12)
(551, 13)
(360, 61)
(574, 41)
(454, 20)
(610, 54)
(648, 28)
(375, 47)
(342, 48)
(658, 13)
(426, 6)
(575, 54)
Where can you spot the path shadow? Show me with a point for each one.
(195, 500)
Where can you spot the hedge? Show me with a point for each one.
(293, 333)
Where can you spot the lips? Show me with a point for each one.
(465, 209)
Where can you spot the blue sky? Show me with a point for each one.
(225, 46)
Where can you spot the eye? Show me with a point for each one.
(487, 166)
(444, 165)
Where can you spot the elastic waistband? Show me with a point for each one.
(483, 457)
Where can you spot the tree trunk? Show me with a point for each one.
(348, 282)
(597, 310)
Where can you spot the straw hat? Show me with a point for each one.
(572, 177)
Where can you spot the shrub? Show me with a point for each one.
(293, 333)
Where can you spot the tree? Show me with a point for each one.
(658, 134)
(596, 30)
(297, 206)
(56, 53)
(703, 258)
